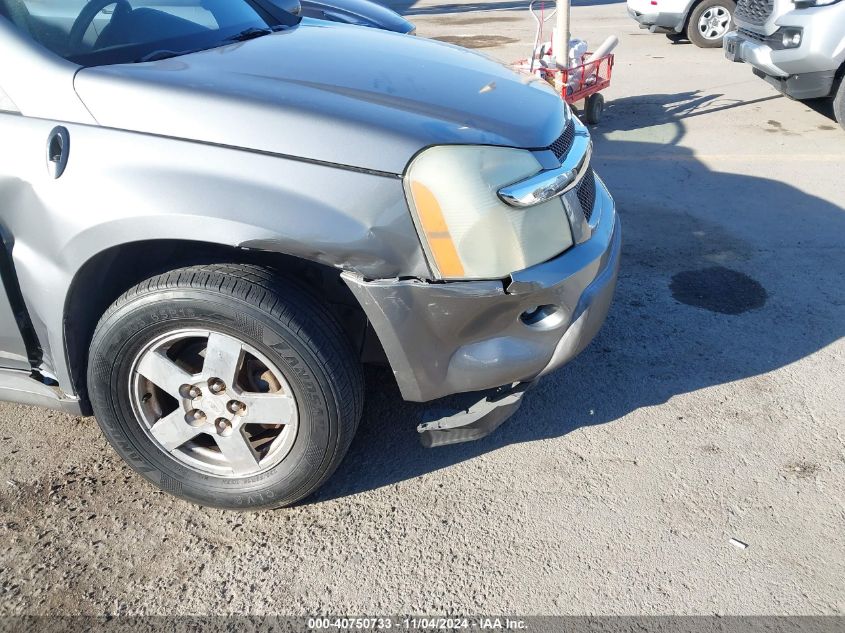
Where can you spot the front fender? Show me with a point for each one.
(122, 187)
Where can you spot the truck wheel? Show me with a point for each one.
(839, 103)
(593, 108)
(225, 385)
(709, 22)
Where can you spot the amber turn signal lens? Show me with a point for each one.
(436, 232)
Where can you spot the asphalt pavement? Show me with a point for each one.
(709, 414)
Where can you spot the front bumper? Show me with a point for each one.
(456, 337)
(739, 48)
(764, 60)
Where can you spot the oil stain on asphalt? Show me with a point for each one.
(718, 289)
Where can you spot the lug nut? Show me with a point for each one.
(224, 426)
(190, 391)
(238, 408)
(216, 385)
(195, 417)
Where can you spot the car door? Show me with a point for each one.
(33, 90)
(13, 349)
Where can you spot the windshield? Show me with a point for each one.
(98, 32)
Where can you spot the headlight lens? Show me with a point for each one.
(466, 230)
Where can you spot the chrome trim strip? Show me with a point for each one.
(552, 183)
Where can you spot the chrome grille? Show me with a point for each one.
(563, 144)
(754, 11)
(587, 193)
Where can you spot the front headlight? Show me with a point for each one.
(806, 4)
(466, 230)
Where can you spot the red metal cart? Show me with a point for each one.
(583, 82)
(580, 82)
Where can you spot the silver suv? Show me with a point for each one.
(798, 46)
(215, 212)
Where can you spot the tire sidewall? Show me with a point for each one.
(839, 99)
(124, 333)
(594, 108)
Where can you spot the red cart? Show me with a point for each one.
(583, 83)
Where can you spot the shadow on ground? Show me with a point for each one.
(723, 277)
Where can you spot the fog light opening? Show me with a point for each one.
(543, 317)
(791, 37)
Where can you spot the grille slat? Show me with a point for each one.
(587, 193)
(754, 11)
(564, 142)
(586, 190)
(752, 35)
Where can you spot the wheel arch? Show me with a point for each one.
(111, 272)
(840, 74)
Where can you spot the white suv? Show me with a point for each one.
(704, 22)
(797, 46)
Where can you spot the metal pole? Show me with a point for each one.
(560, 45)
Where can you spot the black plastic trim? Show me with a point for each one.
(803, 86)
(13, 293)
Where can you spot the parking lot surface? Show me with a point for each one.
(711, 407)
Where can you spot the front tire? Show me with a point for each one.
(709, 22)
(839, 102)
(226, 386)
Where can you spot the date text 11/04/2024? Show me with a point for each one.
(416, 623)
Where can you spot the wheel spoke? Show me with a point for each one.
(163, 372)
(268, 408)
(238, 452)
(172, 430)
(223, 357)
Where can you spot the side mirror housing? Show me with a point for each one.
(291, 6)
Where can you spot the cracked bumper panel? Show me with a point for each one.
(445, 338)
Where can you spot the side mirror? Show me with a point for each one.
(291, 6)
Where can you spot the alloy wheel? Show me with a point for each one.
(714, 23)
(213, 402)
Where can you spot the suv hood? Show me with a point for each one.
(340, 94)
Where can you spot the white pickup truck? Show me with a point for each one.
(798, 46)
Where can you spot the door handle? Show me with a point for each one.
(58, 150)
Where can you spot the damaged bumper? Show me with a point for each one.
(456, 337)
